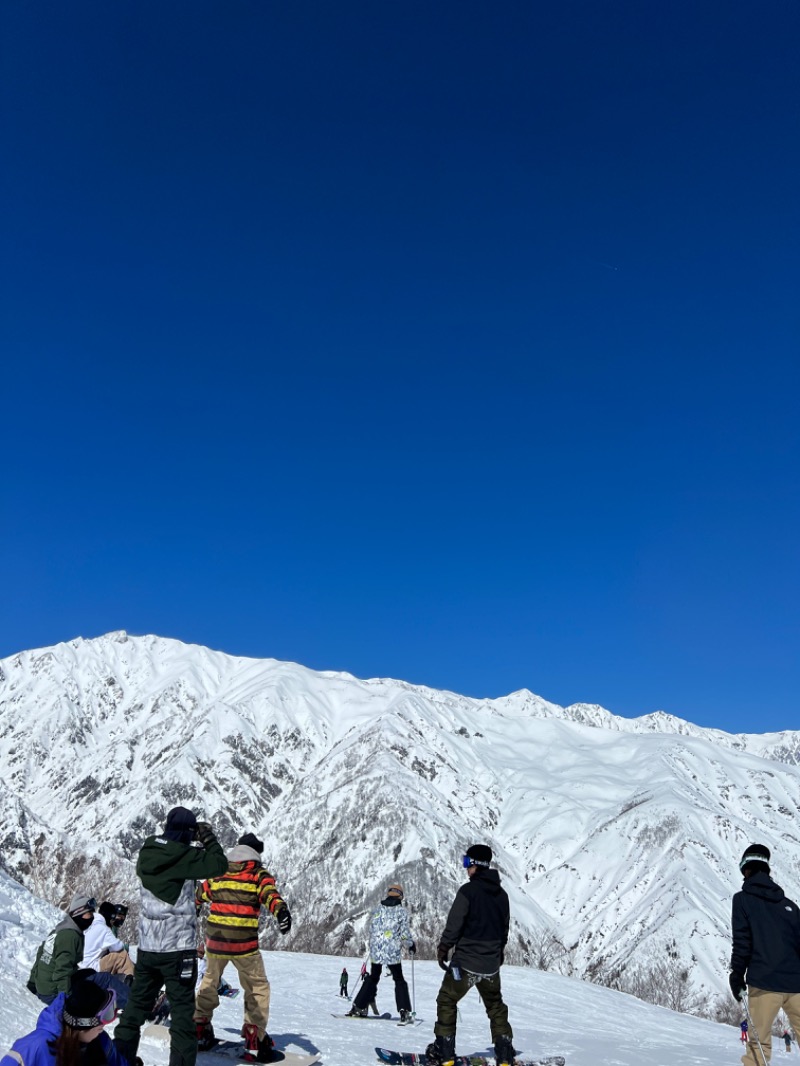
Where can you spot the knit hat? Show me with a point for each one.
(756, 857)
(250, 840)
(87, 1004)
(79, 903)
(481, 854)
(181, 825)
(107, 911)
(395, 890)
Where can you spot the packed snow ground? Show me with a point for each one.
(590, 1025)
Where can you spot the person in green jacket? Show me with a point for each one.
(168, 866)
(59, 956)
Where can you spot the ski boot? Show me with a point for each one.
(406, 1018)
(442, 1051)
(356, 1012)
(504, 1051)
(205, 1034)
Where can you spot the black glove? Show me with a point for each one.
(205, 834)
(284, 919)
(31, 987)
(737, 983)
(441, 955)
(412, 948)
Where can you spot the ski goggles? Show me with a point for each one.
(466, 862)
(105, 1016)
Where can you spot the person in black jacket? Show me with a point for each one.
(476, 932)
(766, 952)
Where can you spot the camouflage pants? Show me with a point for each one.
(452, 992)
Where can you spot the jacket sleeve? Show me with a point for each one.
(113, 1057)
(405, 927)
(202, 894)
(742, 950)
(67, 954)
(455, 919)
(268, 894)
(198, 864)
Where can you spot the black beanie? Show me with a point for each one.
(84, 1001)
(181, 824)
(481, 854)
(755, 858)
(250, 840)
(107, 911)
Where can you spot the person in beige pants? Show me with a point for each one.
(765, 959)
(236, 900)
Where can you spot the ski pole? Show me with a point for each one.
(752, 1028)
(413, 992)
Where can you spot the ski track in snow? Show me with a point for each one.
(590, 1025)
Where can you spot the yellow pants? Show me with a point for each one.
(764, 1007)
(255, 986)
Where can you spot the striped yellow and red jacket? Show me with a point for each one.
(236, 900)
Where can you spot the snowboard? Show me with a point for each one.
(363, 1018)
(410, 1058)
(235, 1049)
(232, 1049)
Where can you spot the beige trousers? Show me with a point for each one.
(117, 962)
(764, 1007)
(255, 986)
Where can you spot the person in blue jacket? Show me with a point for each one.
(69, 1032)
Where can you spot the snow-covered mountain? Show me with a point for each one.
(616, 836)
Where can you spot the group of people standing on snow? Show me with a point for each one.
(83, 973)
(83, 994)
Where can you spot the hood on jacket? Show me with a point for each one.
(489, 879)
(762, 886)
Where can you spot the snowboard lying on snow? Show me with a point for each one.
(232, 1049)
(410, 1058)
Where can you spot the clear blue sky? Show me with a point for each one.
(454, 342)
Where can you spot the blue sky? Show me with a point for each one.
(456, 342)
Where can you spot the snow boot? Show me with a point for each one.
(504, 1051)
(266, 1049)
(442, 1051)
(205, 1034)
(250, 1034)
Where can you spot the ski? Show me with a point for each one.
(409, 1058)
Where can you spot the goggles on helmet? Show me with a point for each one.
(466, 862)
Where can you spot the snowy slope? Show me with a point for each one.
(592, 1026)
(614, 834)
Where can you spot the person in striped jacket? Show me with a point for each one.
(236, 900)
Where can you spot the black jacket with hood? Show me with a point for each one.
(766, 936)
(477, 925)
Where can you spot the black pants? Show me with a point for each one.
(369, 987)
(177, 970)
(490, 992)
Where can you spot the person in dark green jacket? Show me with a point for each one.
(168, 867)
(59, 956)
